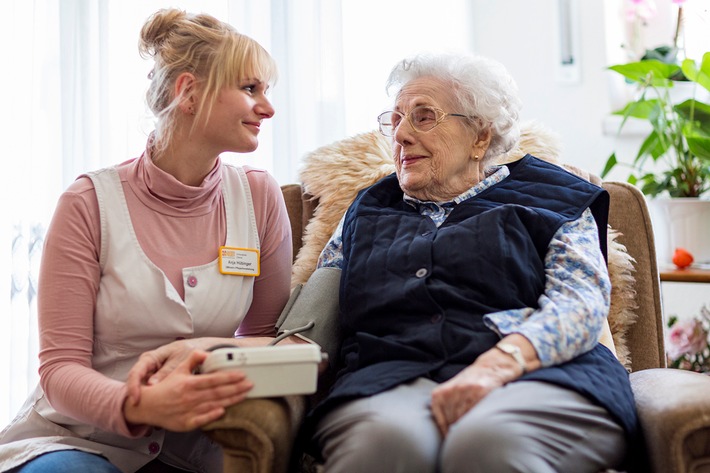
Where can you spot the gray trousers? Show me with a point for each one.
(527, 426)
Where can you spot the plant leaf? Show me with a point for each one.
(610, 163)
(699, 144)
(652, 146)
(702, 75)
(650, 186)
(638, 109)
(651, 72)
(699, 111)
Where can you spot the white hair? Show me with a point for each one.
(482, 88)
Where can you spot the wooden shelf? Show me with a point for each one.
(685, 275)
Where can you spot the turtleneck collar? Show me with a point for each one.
(162, 192)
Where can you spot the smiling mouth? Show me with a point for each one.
(411, 159)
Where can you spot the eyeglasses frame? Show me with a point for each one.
(440, 117)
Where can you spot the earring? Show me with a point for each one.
(476, 157)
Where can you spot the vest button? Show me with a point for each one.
(421, 272)
(436, 318)
(191, 281)
(153, 448)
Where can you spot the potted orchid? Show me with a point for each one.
(688, 342)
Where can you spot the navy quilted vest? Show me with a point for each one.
(413, 296)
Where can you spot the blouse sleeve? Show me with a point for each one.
(571, 311)
(332, 254)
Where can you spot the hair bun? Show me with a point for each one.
(157, 28)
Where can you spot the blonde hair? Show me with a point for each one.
(213, 51)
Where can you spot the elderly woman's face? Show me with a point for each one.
(442, 163)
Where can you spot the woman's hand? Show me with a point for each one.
(183, 401)
(153, 366)
(453, 399)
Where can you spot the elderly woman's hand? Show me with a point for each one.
(453, 399)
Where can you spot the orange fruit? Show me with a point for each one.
(682, 258)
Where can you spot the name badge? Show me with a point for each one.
(239, 261)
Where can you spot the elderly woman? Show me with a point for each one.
(472, 297)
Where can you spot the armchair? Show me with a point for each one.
(674, 406)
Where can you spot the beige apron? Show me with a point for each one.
(138, 309)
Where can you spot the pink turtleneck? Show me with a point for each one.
(167, 215)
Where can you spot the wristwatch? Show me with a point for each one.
(514, 351)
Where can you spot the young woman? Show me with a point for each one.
(137, 260)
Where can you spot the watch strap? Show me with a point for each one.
(515, 352)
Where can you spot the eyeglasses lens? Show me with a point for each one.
(422, 119)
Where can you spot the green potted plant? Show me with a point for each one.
(679, 139)
(672, 165)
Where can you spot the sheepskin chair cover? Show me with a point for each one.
(333, 174)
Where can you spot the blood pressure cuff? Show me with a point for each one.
(315, 301)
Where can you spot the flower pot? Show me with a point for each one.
(681, 222)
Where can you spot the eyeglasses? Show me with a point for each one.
(423, 118)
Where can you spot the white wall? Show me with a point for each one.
(524, 37)
(521, 34)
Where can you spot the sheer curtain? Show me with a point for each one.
(32, 148)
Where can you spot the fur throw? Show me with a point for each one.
(333, 175)
(623, 296)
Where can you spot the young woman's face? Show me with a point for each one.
(236, 117)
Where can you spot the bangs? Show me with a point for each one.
(257, 64)
(244, 59)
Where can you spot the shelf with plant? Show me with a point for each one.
(679, 141)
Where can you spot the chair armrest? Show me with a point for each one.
(674, 410)
(257, 435)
